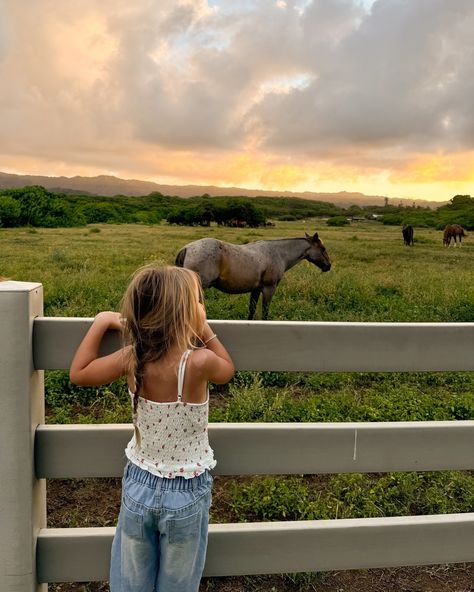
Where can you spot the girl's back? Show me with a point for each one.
(160, 380)
(171, 436)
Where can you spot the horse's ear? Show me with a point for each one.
(307, 236)
(315, 237)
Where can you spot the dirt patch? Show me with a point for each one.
(451, 578)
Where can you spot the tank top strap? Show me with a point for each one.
(181, 371)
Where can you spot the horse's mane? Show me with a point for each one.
(279, 240)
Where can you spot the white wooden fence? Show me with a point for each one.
(31, 554)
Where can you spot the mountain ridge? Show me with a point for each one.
(109, 185)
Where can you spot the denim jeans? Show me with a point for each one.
(161, 538)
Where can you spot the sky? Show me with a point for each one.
(374, 96)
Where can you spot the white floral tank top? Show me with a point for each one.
(173, 437)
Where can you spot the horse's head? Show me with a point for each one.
(317, 253)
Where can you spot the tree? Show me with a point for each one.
(10, 212)
(243, 211)
(461, 201)
(96, 213)
(203, 214)
(39, 207)
(355, 211)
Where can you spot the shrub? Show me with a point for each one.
(337, 221)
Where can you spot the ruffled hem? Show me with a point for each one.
(171, 472)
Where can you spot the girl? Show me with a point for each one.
(170, 355)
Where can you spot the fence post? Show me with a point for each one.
(22, 496)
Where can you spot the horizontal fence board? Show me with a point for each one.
(82, 554)
(64, 451)
(297, 346)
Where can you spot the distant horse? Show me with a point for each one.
(407, 232)
(453, 231)
(256, 267)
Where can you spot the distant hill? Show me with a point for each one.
(109, 185)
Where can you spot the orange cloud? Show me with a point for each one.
(432, 178)
(443, 168)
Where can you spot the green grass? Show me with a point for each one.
(374, 278)
(350, 496)
(350, 397)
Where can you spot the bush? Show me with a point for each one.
(10, 212)
(337, 221)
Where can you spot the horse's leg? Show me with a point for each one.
(254, 296)
(267, 294)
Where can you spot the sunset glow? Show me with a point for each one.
(345, 95)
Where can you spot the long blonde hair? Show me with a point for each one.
(161, 311)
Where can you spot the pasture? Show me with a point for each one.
(374, 277)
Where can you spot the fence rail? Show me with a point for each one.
(32, 451)
(298, 346)
(82, 554)
(68, 451)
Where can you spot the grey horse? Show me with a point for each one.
(256, 267)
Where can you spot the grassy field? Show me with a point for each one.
(374, 278)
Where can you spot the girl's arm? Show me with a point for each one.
(87, 368)
(218, 365)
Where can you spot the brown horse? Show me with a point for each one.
(256, 267)
(453, 231)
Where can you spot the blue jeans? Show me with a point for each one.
(161, 538)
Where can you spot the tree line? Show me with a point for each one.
(36, 206)
(459, 210)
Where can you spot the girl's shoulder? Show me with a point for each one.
(199, 358)
(210, 367)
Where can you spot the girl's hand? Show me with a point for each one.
(109, 319)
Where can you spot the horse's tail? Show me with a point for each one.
(179, 262)
(463, 233)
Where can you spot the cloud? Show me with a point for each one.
(368, 85)
(402, 76)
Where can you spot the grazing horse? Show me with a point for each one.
(256, 267)
(453, 231)
(407, 232)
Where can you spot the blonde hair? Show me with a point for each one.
(161, 311)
